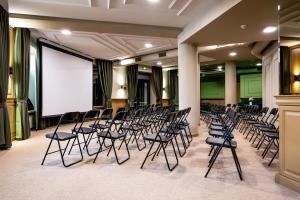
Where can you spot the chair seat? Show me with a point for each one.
(155, 138)
(272, 135)
(217, 123)
(220, 141)
(100, 126)
(267, 129)
(216, 133)
(85, 130)
(111, 134)
(213, 127)
(61, 136)
(132, 127)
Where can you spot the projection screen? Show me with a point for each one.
(67, 83)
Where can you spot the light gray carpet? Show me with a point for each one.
(22, 176)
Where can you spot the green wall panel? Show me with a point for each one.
(212, 90)
(251, 86)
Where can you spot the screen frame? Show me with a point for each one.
(40, 44)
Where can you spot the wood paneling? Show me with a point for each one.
(214, 101)
(289, 134)
(165, 102)
(11, 106)
(117, 103)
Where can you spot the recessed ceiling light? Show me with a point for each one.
(232, 54)
(153, 1)
(243, 26)
(270, 29)
(159, 63)
(258, 64)
(148, 45)
(66, 32)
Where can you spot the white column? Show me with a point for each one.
(189, 83)
(230, 83)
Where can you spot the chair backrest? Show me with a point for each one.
(69, 117)
(91, 115)
(106, 113)
(119, 116)
(121, 109)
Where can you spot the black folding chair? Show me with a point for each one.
(113, 135)
(71, 117)
(225, 142)
(87, 132)
(163, 138)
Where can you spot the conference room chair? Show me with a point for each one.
(218, 143)
(163, 139)
(63, 136)
(134, 130)
(87, 132)
(114, 134)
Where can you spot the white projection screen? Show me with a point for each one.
(67, 83)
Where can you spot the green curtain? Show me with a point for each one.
(285, 70)
(173, 86)
(157, 81)
(132, 79)
(21, 81)
(105, 71)
(5, 140)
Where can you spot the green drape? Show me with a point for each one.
(21, 81)
(132, 79)
(285, 70)
(105, 71)
(173, 86)
(5, 140)
(157, 81)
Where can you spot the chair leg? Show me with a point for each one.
(213, 161)
(113, 147)
(176, 141)
(268, 148)
(165, 154)
(100, 149)
(237, 163)
(62, 154)
(47, 152)
(147, 154)
(275, 154)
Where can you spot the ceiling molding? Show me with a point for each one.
(55, 23)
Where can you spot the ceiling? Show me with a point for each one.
(109, 46)
(169, 13)
(118, 29)
(255, 14)
(289, 18)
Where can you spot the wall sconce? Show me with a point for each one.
(164, 89)
(296, 78)
(11, 71)
(123, 87)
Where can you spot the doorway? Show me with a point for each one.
(143, 89)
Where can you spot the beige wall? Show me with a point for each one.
(165, 94)
(119, 78)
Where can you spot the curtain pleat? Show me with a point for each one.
(5, 138)
(157, 81)
(285, 70)
(132, 79)
(173, 85)
(21, 81)
(105, 71)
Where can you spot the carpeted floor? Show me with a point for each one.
(22, 176)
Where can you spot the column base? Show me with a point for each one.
(287, 182)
